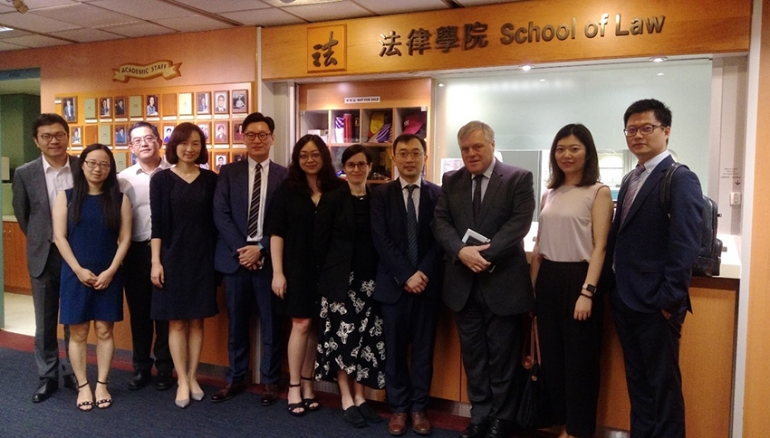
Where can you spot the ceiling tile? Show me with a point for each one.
(87, 35)
(34, 23)
(145, 9)
(41, 4)
(12, 33)
(35, 41)
(86, 15)
(380, 7)
(483, 2)
(141, 29)
(328, 11)
(264, 17)
(225, 5)
(193, 24)
(6, 46)
(4, 8)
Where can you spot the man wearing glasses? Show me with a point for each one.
(243, 195)
(35, 186)
(408, 282)
(135, 183)
(650, 253)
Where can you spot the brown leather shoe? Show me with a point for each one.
(270, 394)
(397, 424)
(228, 392)
(420, 423)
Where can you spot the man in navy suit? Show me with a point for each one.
(244, 192)
(651, 252)
(408, 282)
(487, 285)
(35, 186)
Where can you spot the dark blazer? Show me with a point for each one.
(389, 233)
(33, 211)
(333, 239)
(506, 216)
(652, 252)
(231, 211)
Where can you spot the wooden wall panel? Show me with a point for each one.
(690, 27)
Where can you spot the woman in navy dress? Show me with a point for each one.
(92, 230)
(290, 226)
(183, 236)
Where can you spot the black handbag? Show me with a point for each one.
(533, 412)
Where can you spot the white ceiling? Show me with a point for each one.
(59, 22)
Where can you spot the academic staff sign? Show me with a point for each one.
(167, 69)
(506, 34)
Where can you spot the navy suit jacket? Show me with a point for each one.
(231, 211)
(653, 253)
(389, 233)
(505, 218)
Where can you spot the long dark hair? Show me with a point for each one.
(109, 199)
(327, 178)
(591, 167)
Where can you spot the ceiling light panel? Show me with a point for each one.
(34, 23)
(140, 29)
(85, 15)
(264, 17)
(328, 11)
(35, 41)
(225, 6)
(193, 23)
(380, 7)
(87, 35)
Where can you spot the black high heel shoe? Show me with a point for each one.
(105, 402)
(311, 404)
(82, 405)
(293, 406)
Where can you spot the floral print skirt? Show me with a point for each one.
(351, 337)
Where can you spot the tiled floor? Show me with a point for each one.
(19, 314)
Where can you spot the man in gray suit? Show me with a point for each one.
(486, 285)
(35, 186)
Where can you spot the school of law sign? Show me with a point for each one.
(167, 69)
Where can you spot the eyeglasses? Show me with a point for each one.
(315, 156)
(250, 136)
(91, 164)
(48, 137)
(353, 166)
(404, 155)
(644, 129)
(138, 141)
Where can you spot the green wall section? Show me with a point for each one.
(17, 113)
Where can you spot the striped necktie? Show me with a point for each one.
(633, 188)
(256, 197)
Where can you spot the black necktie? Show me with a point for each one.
(477, 198)
(411, 225)
(256, 197)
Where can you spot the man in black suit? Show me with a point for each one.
(486, 285)
(242, 198)
(35, 186)
(408, 282)
(650, 254)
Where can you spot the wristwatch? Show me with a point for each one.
(589, 287)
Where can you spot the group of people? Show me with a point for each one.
(361, 272)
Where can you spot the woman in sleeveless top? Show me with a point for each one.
(575, 218)
(92, 230)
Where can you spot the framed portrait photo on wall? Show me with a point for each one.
(240, 101)
(221, 102)
(69, 109)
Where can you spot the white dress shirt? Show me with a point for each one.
(135, 183)
(56, 180)
(415, 195)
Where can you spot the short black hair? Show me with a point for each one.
(182, 133)
(661, 111)
(47, 119)
(152, 127)
(258, 117)
(404, 138)
(356, 149)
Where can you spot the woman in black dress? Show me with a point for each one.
(352, 346)
(92, 230)
(292, 215)
(183, 236)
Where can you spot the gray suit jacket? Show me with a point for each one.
(505, 218)
(33, 212)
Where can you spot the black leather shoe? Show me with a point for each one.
(270, 394)
(45, 390)
(367, 411)
(500, 429)
(228, 392)
(71, 382)
(164, 380)
(140, 379)
(475, 430)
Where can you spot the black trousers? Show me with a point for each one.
(570, 349)
(410, 320)
(651, 355)
(491, 349)
(138, 288)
